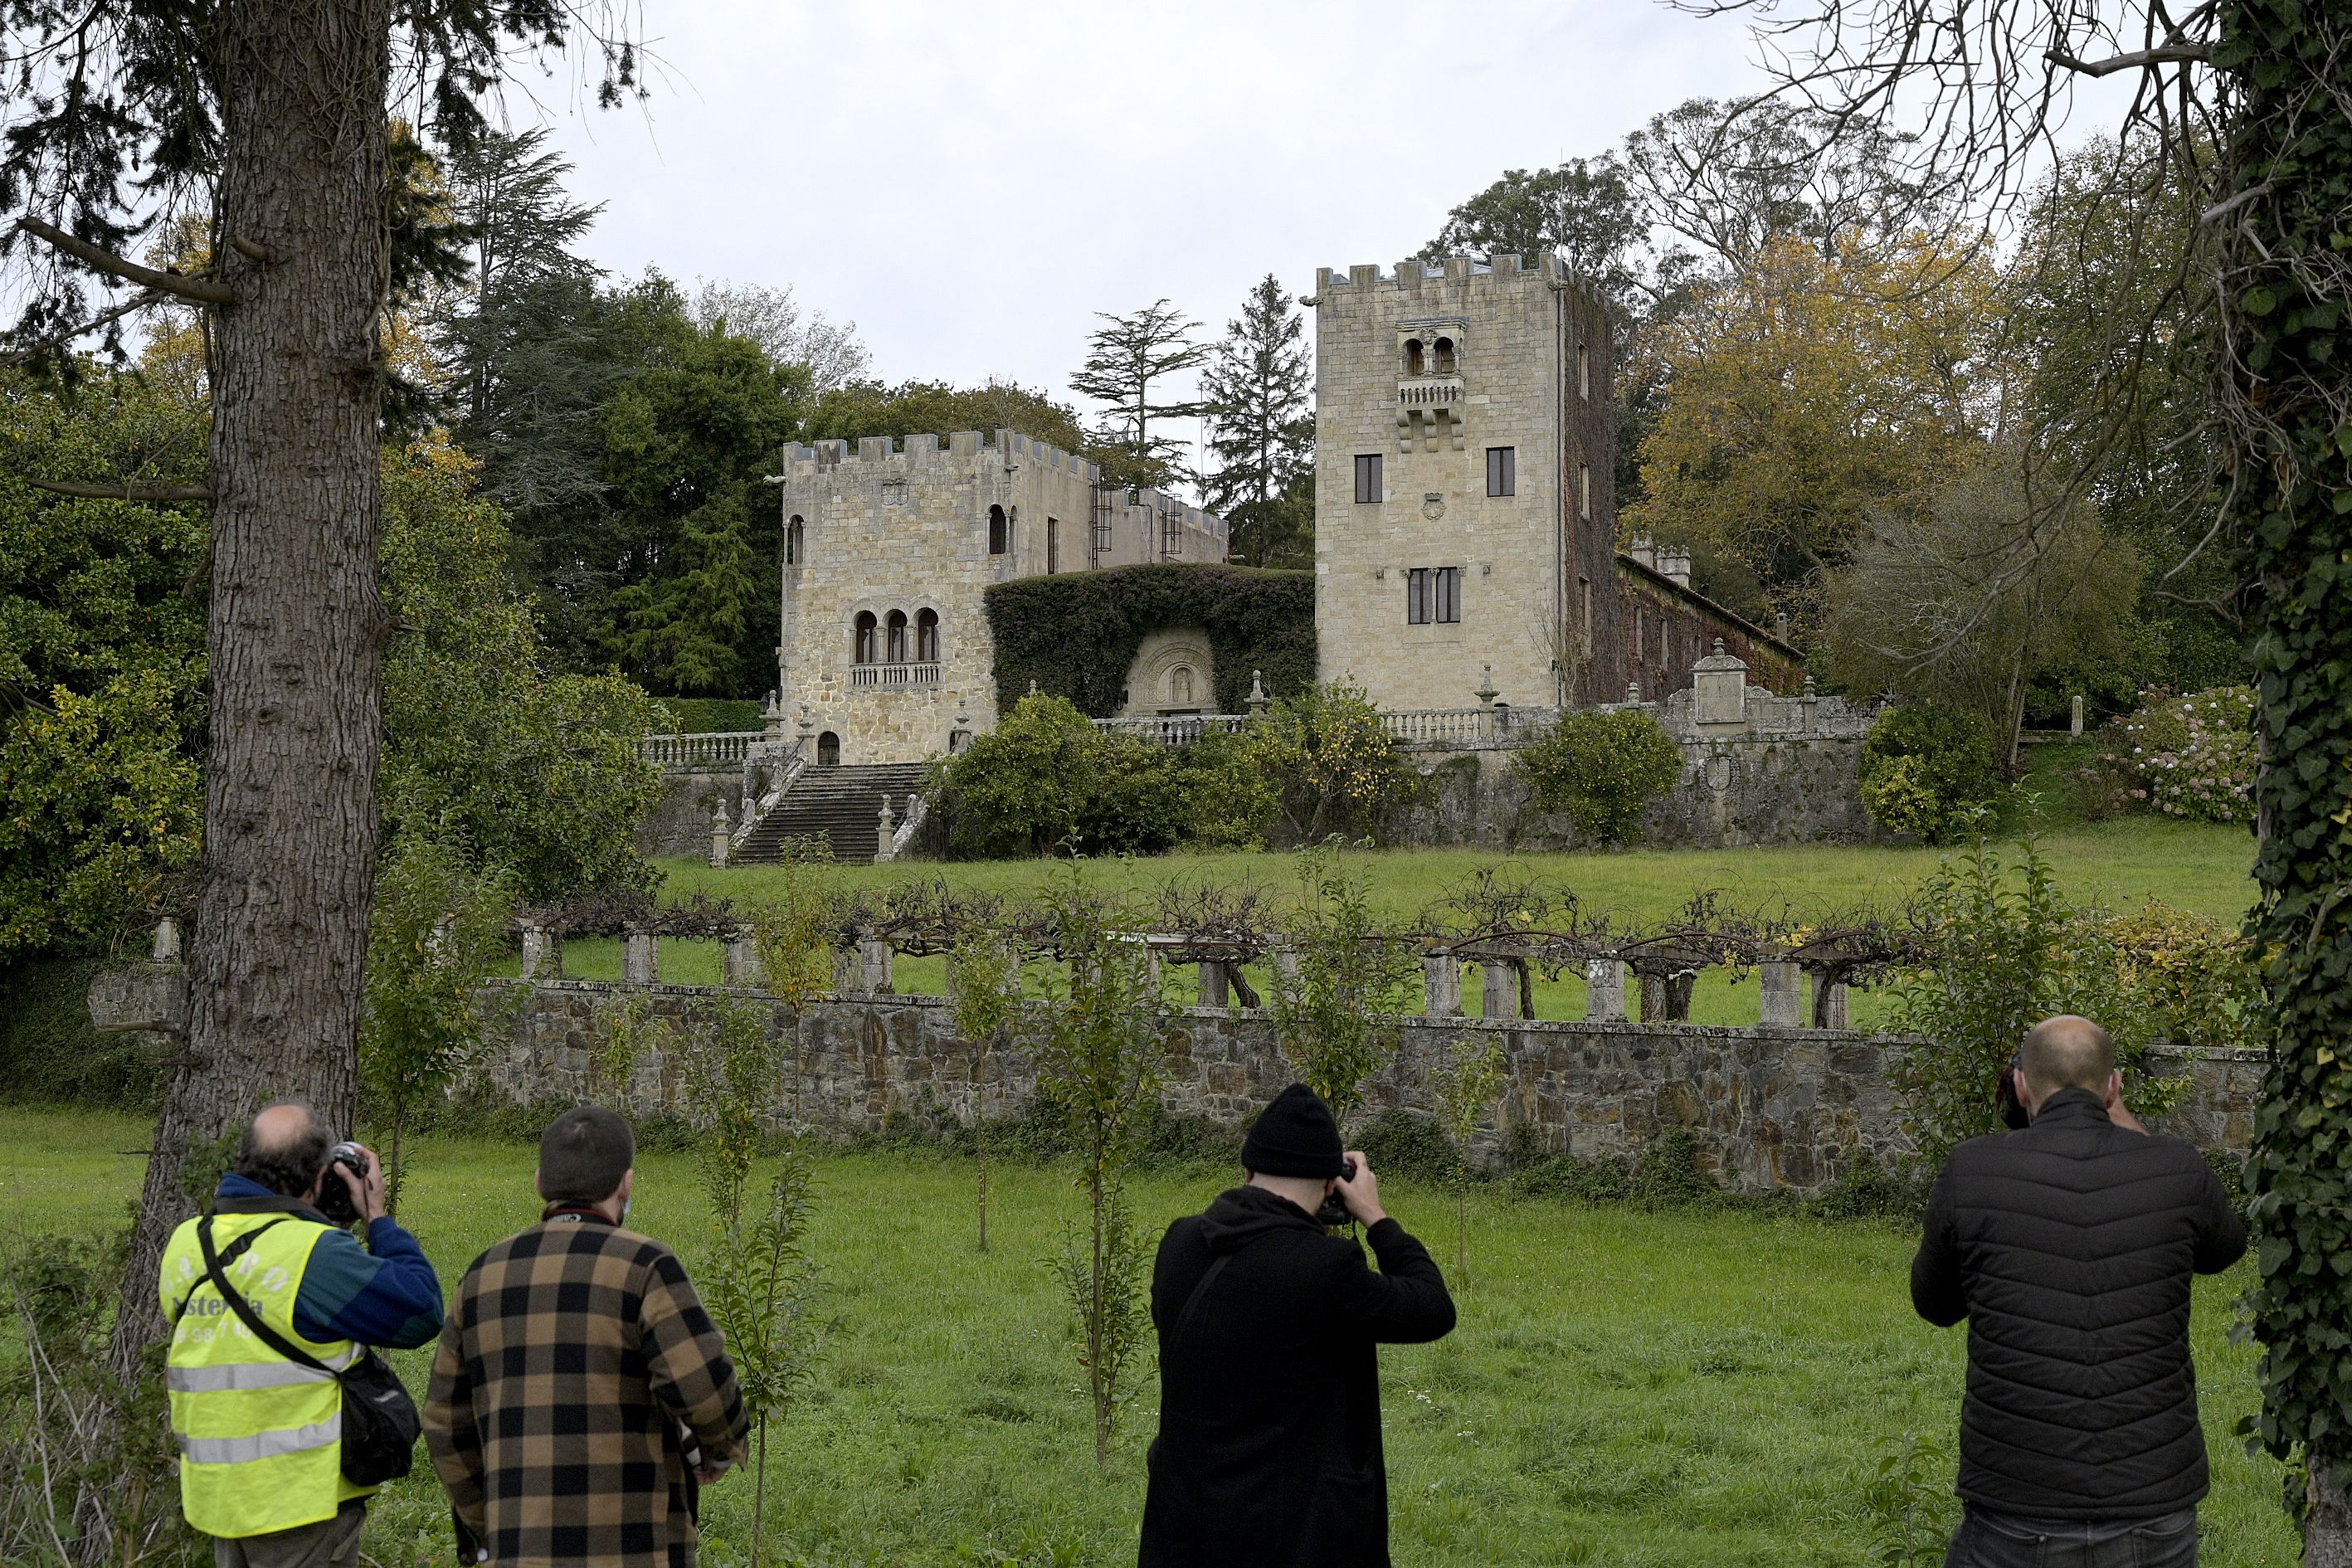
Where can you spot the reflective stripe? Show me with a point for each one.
(262, 1444)
(270, 1373)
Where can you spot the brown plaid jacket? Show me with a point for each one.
(571, 1356)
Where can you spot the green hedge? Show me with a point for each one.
(49, 1054)
(713, 715)
(1076, 634)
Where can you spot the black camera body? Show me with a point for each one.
(334, 1196)
(2014, 1114)
(1334, 1210)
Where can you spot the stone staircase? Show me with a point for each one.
(842, 804)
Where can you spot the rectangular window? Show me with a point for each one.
(1053, 545)
(1367, 479)
(1433, 594)
(1584, 491)
(1502, 471)
(1583, 373)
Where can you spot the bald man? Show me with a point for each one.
(259, 1431)
(2070, 1247)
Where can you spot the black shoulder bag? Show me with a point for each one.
(379, 1422)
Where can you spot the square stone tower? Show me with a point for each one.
(1463, 517)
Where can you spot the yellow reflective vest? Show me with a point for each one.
(260, 1436)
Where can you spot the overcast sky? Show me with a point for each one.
(970, 182)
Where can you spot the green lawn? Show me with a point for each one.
(1624, 1388)
(2119, 864)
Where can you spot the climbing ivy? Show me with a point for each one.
(1074, 635)
(2287, 293)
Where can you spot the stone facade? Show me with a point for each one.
(1173, 673)
(1771, 1109)
(911, 534)
(1463, 426)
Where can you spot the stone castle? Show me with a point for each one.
(1466, 530)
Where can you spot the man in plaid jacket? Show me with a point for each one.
(581, 1395)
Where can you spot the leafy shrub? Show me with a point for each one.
(1602, 769)
(49, 1054)
(712, 715)
(1326, 757)
(1230, 799)
(2192, 756)
(1400, 1143)
(1927, 769)
(1667, 1174)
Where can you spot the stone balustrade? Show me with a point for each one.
(713, 752)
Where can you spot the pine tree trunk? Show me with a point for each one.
(2328, 1527)
(296, 624)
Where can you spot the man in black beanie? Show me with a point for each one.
(1269, 1448)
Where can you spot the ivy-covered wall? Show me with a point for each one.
(1076, 634)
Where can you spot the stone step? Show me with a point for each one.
(842, 804)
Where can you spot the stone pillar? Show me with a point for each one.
(1784, 1006)
(1214, 991)
(1604, 990)
(874, 955)
(2078, 716)
(1440, 985)
(846, 978)
(885, 827)
(1286, 965)
(640, 958)
(739, 962)
(1829, 1010)
(167, 941)
(539, 954)
(722, 837)
(1498, 990)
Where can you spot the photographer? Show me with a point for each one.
(260, 1433)
(2070, 1247)
(1269, 1446)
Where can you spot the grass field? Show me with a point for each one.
(2119, 864)
(1626, 1388)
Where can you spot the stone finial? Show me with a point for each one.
(1032, 685)
(1487, 693)
(1259, 698)
(1811, 694)
(167, 941)
(1719, 647)
(722, 834)
(1634, 691)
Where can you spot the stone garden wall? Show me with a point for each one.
(679, 822)
(1771, 1108)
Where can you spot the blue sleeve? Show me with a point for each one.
(384, 1294)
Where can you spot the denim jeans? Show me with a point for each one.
(1988, 1540)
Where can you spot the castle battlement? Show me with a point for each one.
(1508, 271)
(900, 453)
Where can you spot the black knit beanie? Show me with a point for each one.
(1296, 1136)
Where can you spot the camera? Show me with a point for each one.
(1334, 1210)
(334, 1197)
(2014, 1114)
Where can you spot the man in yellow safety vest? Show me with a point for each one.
(259, 1434)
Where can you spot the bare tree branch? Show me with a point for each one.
(64, 335)
(203, 290)
(2139, 60)
(162, 494)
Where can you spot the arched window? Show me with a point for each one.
(866, 651)
(1412, 356)
(795, 542)
(1000, 533)
(927, 636)
(894, 645)
(828, 750)
(1443, 356)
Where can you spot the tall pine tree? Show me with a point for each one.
(1258, 393)
(1125, 362)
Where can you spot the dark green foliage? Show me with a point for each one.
(1667, 1175)
(1259, 389)
(1927, 769)
(2288, 304)
(50, 1055)
(933, 407)
(1074, 635)
(1602, 769)
(1125, 360)
(1400, 1143)
(712, 715)
(1868, 1190)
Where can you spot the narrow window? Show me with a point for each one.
(1583, 373)
(895, 637)
(1442, 357)
(1416, 596)
(927, 636)
(1584, 490)
(1367, 479)
(1584, 616)
(864, 649)
(1412, 362)
(999, 537)
(1502, 471)
(795, 542)
(1053, 545)
(1445, 592)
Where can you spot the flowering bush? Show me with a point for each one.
(2192, 756)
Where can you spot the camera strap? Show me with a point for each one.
(235, 1250)
(1184, 1319)
(216, 1268)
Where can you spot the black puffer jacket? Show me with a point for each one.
(1269, 1448)
(2069, 1247)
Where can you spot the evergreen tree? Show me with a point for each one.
(1259, 394)
(1585, 211)
(1124, 360)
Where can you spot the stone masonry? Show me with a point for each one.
(1771, 1110)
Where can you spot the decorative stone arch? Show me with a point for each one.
(1174, 671)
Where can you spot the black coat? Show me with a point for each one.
(1269, 1448)
(2069, 1247)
